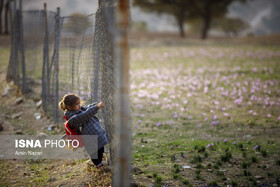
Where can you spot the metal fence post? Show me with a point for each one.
(10, 75)
(21, 40)
(121, 175)
(46, 68)
(56, 65)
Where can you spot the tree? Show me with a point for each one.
(208, 10)
(176, 8)
(231, 26)
(183, 10)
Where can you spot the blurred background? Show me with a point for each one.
(230, 18)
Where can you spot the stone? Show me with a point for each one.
(37, 115)
(7, 91)
(19, 132)
(18, 101)
(39, 104)
(17, 115)
(186, 167)
(258, 177)
(42, 135)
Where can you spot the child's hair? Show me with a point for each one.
(69, 100)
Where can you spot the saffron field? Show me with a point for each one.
(206, 115)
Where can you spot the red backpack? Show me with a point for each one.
(72, 133)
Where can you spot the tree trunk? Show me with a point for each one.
(206, 27)
(1, 8)
(206, 20)
(7, 9)
(180, 17)
(181, 28)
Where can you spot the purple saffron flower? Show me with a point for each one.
(136, 127)
(234, 143)
(183, 156)
(225, 140)
(208, 145)
(158, 124)
(269, 115)
(214, 117)
(212, 144)
(199, 125)
(139, 121)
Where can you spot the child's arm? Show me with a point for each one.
(90, 105)
(78, 120)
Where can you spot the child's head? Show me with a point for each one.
(70, 102)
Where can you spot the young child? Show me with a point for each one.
(84, 117)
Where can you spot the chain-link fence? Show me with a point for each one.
(74, 54)
(70, 54)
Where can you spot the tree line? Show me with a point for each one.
(206, 11)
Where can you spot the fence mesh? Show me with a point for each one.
(72, 54)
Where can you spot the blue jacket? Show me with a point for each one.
(90, 124)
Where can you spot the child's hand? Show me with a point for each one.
(100, 105)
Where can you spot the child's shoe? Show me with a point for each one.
(99, 166)
(102, 167)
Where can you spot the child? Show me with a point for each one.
(84, 117)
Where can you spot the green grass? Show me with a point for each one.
(170, 76)
(4, 59)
